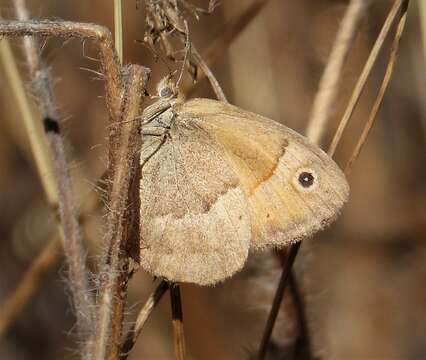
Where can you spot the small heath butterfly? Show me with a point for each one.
(218, 180)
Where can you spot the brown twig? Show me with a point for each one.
(27, 286)
(143, 316)
(124, 145)
(225, 38)
(279, 295)
(359, 87)
(316, 125)
(328, 86)
(177, 322)
(402, 17)
(209, 74)
(349, 110)
(72, 240)
(67, 30)
(303, 343)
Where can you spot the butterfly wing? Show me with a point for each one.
(195, 222)
(292, 187)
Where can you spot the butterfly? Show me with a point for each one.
(218, 181)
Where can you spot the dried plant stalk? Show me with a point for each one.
(422, 13)
(124, 145)
(177, 322)
(278, 297)
(145, 312)
(315, 136)
(118, 28)
(328, 86)
(226, 37)
(14, 304)
(386, 79)
(66, 29)
(32, 124)
(209, 74)
(70, 229)
(359, 87)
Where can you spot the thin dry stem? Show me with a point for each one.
(143, 316)
(359, 87)
(386, 79)
(317, 123)
(209, 74)
(304, 339)
(29, 283)
(328, 86)
(73, 246)
(66, 29)
(118, 28)
(235, 27)
(279, 295)
(70, 230)
(177, 322)
(422, 14)
(32, 125)
(124, 145)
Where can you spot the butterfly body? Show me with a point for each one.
(218, 180)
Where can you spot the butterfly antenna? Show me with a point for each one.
(187, 51)
(156, 54)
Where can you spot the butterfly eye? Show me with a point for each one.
(305, 180)
(166, 92)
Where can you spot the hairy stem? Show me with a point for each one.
(124, 145)
(66, 29)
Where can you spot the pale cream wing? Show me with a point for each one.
(195, 224)
(273, 164)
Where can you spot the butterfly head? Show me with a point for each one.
(168, 89)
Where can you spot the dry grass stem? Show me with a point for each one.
(209, 74)
(359, 87)
(124, 145)
(14, 304)
(324, 101)
(48, 257)
(279, 295)
(118, 28)
(32, 125)
(422, 13)
(177, 322)
(70, 230)
(303, 342)
(235, 27)
(143, 316)
(386, 79)
(67, 30)
(328, 86)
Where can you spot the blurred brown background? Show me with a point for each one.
(363, 279)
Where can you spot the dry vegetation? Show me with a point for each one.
(356, 290)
